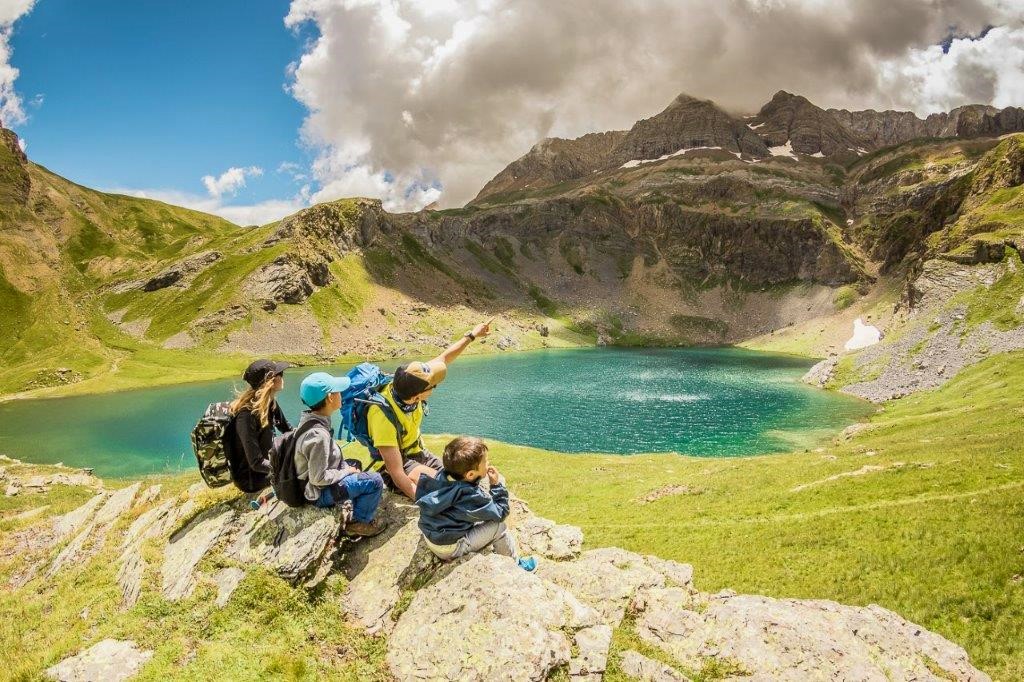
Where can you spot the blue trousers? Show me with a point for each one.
(363, 488)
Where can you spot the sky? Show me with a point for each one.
(255, 109)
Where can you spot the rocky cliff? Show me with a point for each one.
(479, 618)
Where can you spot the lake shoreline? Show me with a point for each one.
(192, 377)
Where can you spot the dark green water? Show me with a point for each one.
(712, 402)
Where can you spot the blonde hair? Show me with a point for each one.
(257, 400)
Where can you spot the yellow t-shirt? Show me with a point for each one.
(382, 431)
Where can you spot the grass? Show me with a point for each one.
(268, 630)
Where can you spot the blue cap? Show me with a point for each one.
(317, 385)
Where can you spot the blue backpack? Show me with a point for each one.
(368, 380)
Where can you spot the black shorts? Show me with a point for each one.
(425, 458)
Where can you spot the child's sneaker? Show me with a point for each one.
(528, 563)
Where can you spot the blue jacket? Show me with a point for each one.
(449, 508)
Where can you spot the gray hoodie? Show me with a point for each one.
(318, 458)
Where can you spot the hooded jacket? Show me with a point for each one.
(449, 508)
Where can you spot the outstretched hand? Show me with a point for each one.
(493, 477)
(483, 329)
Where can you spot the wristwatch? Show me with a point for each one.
(470, 335)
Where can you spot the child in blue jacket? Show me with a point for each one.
(457, 515)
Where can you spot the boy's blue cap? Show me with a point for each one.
(317, 385)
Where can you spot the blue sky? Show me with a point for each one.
(157, 95)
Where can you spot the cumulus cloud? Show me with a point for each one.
(413, 99)
(987, 69)
(230, 181)
(11, 110)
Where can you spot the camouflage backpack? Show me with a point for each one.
(210, 443)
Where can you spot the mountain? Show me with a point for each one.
(692, 227)
(786, 125)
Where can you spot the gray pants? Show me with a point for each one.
(493, 533)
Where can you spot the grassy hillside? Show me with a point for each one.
(922, 512)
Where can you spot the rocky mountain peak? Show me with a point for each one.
(807, 128)
(687, 123)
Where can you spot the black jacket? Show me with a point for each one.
(250, 447)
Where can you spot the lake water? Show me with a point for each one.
(710, 402)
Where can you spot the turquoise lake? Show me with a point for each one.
(720, 402)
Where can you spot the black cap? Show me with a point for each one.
(261, 370)
(407, 384)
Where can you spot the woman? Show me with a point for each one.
(256, 414)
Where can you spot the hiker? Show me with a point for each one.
(255, 414)
(406, 461)
(457, 516)
(330, 480)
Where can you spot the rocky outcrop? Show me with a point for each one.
(487, 620)
(183, 272)
(483, 617)
(288, 279)
(795, 640)
(886, 128)
(110, 660)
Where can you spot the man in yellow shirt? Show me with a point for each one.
(397, 435)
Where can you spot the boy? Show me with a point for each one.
(318, 460)
(457, 516)
(414, 382)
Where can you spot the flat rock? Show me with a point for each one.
(605, 578)
(129, 576)
(646, 669)
(108, 661)
(791, 639)
(118, 503)
(375, 590)
(546, 538)
(187, 547)
(227, 580)
(73, 521)
(486, 620)
(592, 658)
(293, 543)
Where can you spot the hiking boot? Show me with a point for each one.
(366, 530)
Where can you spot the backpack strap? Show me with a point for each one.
(385, 405)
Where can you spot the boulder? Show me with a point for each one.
(487, 620)
(822, 372)
(792, 639)
(645, 669)
(591, 658)
(605, 578)
(376, 587)
(293, 542)
(546, 538)
(182, 272)
(108, 661)
(187, 547)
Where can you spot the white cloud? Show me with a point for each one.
(11, 110)
(230, 181)
(989, 69)
(251, 214)
(406, 96)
